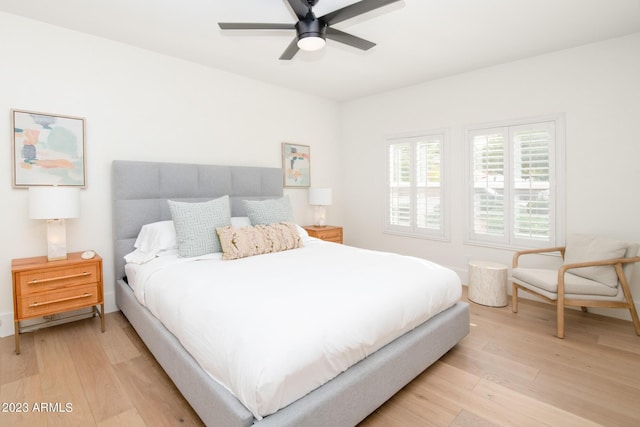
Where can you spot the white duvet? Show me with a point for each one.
(271, 328)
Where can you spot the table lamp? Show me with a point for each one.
(55, 204)
(319, 198)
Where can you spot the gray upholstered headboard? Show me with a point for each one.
(140, 192)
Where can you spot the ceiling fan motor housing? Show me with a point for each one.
(311, 27)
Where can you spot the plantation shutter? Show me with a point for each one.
(489, 215)
(415, 190)
(532, 186)
(429, 189)
(399, 188)
(513, 190)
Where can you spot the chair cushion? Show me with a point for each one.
(583, 248)
(547, 280)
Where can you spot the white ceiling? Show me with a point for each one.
(417, 40)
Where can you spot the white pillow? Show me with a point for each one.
(138, 257)
(240, 221)
(156, 237)
(302, 232)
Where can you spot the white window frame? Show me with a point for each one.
(557, 181)
(413, 230)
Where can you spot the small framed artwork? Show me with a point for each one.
(48, 149)
(296, 164)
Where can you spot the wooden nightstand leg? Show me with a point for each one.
(17, 335)
(102, 316)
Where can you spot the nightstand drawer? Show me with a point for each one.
(331, 235)
(56, 278)
(57, 301)
(328, 233)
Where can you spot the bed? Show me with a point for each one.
(140, 193)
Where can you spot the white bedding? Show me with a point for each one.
(272, 328)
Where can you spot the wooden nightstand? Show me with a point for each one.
(330, 233)
(43, 288)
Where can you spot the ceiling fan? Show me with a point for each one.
(313, 31)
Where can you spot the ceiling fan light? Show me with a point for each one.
(311, 43)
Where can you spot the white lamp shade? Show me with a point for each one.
(320, 196)
(54, 202)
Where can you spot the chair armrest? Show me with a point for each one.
(536, 251)
(614, 261)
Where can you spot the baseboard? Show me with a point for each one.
(6, 324)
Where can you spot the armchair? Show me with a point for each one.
(595, 273)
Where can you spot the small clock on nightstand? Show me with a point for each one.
(329, 233)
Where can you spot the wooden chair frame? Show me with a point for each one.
(562, 301)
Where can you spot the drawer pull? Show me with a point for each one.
(38, 304)
(52, 279)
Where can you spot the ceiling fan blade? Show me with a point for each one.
(299, 8)
(355, 9)
(349, 39)
(254, 26)
(291, 50)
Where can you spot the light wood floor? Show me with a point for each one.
(509, 371)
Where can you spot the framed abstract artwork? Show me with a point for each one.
(48, 149)
(296, 164)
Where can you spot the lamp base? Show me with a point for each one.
(319, 216)
(56, 240)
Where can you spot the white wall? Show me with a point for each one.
(143, 106)
(140, 105)
(598, 88)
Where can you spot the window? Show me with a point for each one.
(516, 183)
(415, 186)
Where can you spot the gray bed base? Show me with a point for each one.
(140, 191)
